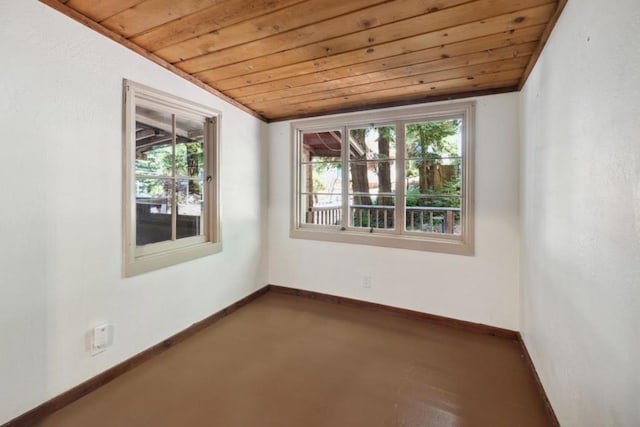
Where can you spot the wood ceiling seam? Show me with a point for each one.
(193, 32)
(440, 64)
(505, 22)
(497, 40)
(425, 80)
(226, 37)
(355, 21)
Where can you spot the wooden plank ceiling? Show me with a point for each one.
(295, 58)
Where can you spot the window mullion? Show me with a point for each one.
(400, 178)
(345, 178)
(174, 191)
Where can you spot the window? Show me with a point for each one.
(399, 178)
(170, 180)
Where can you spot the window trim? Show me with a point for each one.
(142, 259)
(460, 245)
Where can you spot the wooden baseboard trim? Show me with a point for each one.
(440, 320)
(543, 394)
(36, 414)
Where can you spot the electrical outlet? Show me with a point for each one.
(366, 282)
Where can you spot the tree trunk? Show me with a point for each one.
(359, 178)
(384, 172)
(384, 179)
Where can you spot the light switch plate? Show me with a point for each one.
(100, 338)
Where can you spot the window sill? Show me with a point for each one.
(156, 261)
(455, 245)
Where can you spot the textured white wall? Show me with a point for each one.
(483, 288)
(580, 116)
(60, 222)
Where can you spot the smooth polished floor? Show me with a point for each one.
(284, 360)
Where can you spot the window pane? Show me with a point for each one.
(433, 176)
(190, 197)
(442, 138)
(371, 215)
(372, 143)
(154, 142)
(321, 146)
(190, 147)
(321, 209)
(322, 178)
(153, 210)
(370, 178)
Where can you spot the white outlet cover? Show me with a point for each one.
(99, 338)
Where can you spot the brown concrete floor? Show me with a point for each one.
(290, 361)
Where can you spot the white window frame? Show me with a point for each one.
(142, 259)
(462, 244)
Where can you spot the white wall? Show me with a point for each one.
(581, 214)
(483, 288)
(60, 222)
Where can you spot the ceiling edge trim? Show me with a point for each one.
(543, 41)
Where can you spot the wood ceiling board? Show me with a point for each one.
(405, 94)
(492, 88)
(209, 20)
(152, 13)
(414, 68)
(371, 17)
(422, 83)
(348, 33)
(354, 63)
(99, 10)
(355, 43)
(275, 23)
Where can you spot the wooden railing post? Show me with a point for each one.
(450, 222)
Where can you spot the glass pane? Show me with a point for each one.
(442, 138)
(190, 147)
(372, 143)
(190, 198)
(321, 209)
(433, 176)
(364, 215)
(321, 146)
(153, 210)
(428, 219)
(322, 178)
(154, 142)
(369, 178)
